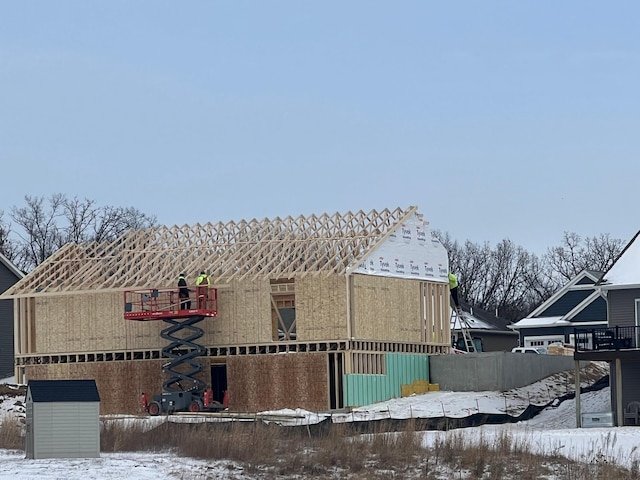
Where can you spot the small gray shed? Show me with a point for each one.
(63, 419)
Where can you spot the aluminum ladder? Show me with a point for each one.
(470, 346)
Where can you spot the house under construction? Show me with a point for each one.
(314, 312)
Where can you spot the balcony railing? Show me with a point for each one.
(607, 338)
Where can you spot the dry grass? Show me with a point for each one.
(336, 452)
(11, 433)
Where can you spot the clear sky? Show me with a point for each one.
(499, 119)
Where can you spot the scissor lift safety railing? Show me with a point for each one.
(182, 350)
(159, 303)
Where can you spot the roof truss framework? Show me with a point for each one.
(286, 248)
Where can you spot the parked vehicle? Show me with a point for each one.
(534, 350)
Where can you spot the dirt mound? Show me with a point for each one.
(12, 390)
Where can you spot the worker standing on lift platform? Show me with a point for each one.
(202, 289)
(183, 293)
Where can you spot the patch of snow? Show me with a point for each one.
(550, 432)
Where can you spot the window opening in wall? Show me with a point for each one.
(368, 363)
(336, 370)
(283, 309)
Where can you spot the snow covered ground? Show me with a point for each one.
(552, 432)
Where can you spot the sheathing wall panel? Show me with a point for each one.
(386, 309)
(254, 382)
(321, 308)
(120, 384)
(90, 323)
(94, 322)
(244, 314)
(268, 382)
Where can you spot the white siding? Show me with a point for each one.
(66, 430)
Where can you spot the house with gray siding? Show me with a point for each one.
(9, 276)
(489, 332)
(619, 342)
(62, 419)
(578, 305)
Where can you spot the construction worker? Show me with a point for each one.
(453, 288)
(202, 289)
(183, 293)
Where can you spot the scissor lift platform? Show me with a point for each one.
(160, 303)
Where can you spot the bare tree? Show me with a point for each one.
(513, 281)
(8, 246)
(48, 225)
(80, 216)
(506, 279)
(40, 235)
(577, 254)
(111, 222)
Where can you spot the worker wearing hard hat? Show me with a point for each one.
(202, 289)
(183, 293)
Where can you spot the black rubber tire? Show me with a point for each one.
(154, 409)
(195, 406)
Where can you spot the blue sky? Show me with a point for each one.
(499, 119)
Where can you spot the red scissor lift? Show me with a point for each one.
(182, 390)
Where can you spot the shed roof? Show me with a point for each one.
(63, 391)
(289, 247)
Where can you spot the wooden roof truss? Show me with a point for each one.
(276, 248)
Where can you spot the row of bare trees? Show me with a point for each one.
(33, 232)
(511, 281)
(504, 278)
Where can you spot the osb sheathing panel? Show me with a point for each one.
(321, 308)
(265, 382)
(90, 323)
(244, 314)
(95, 322)
(255, 383)
(120, 384)
(386, 309)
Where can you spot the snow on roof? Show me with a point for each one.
(626, 269)
(540, 322)
(472, 322)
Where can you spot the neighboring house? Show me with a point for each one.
(9, 276)
(489, 332)
(577, 305)
(315, 312)
(619, 342)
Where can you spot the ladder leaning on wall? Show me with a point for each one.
(464, 327)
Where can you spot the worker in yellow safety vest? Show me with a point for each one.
(453, 288)
(202, 289)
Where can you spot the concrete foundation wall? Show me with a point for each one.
(496, 371)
